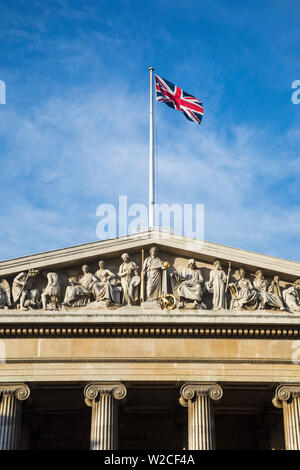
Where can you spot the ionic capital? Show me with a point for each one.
(20, 391)
(94, 390)
(284, 393)
(190, 390)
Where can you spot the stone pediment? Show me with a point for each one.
(211, 291)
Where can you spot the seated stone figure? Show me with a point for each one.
(191, 287)
(265, 297)
(79, 293)
(243, 294)
(291, 297)
(107, 286)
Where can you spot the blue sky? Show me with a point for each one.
(74, 129)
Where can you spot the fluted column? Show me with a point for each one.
(104, 425)
(199, 397)
(288, 398)
(11, 396)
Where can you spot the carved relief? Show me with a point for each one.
(265, 297)
(5, 294)
(78, 293)
(291, 296)
(25, 295)
(177, 282)
(130, 280)
(107, 286)
(152, 270)
(191, 287)
(243, 294)
(51, 294)
(216, 285)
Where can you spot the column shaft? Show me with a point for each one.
(102, 397)
(199, 397)
(201, 428)
(288, 398)
(104, 426)
(11, 396)
(291, 420)
(10, 422)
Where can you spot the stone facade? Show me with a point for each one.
(150, 309)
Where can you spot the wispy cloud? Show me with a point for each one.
(77, 151)
(74, 132)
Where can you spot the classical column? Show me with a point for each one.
(104, 425)
(11, 396)
(199, 397)
(288, 398)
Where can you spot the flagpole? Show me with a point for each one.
(151, 155)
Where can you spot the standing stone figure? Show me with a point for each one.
(190, 288)
(5, 297)
(130, 280)
(265, 297)
(106, 288)
(246, 295)
(23, 292)
(153, 270)
(78, 293)
(216, 285)
(274, 287)
(291, 297)
(50, 296)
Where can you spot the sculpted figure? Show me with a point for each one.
(265, 297)
(50, 295)
(5, 298)
(190, 288)
(106, 287)
(245, 295)
(216, 285)
(153, 270)
(291, 297)
(23, 292)
(274, 287)
(78, 293)
(130, 280)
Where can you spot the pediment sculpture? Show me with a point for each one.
(155, 284)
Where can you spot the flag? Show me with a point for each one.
(178, 99)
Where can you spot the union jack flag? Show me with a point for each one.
(178, 99)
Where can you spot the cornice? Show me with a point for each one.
(184, 246)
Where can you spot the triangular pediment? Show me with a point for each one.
(174, 250)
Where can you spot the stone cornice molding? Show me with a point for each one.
(20, 391)
(177, 244)
(189, 391)
(94, 390)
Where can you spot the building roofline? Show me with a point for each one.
(176, 244)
